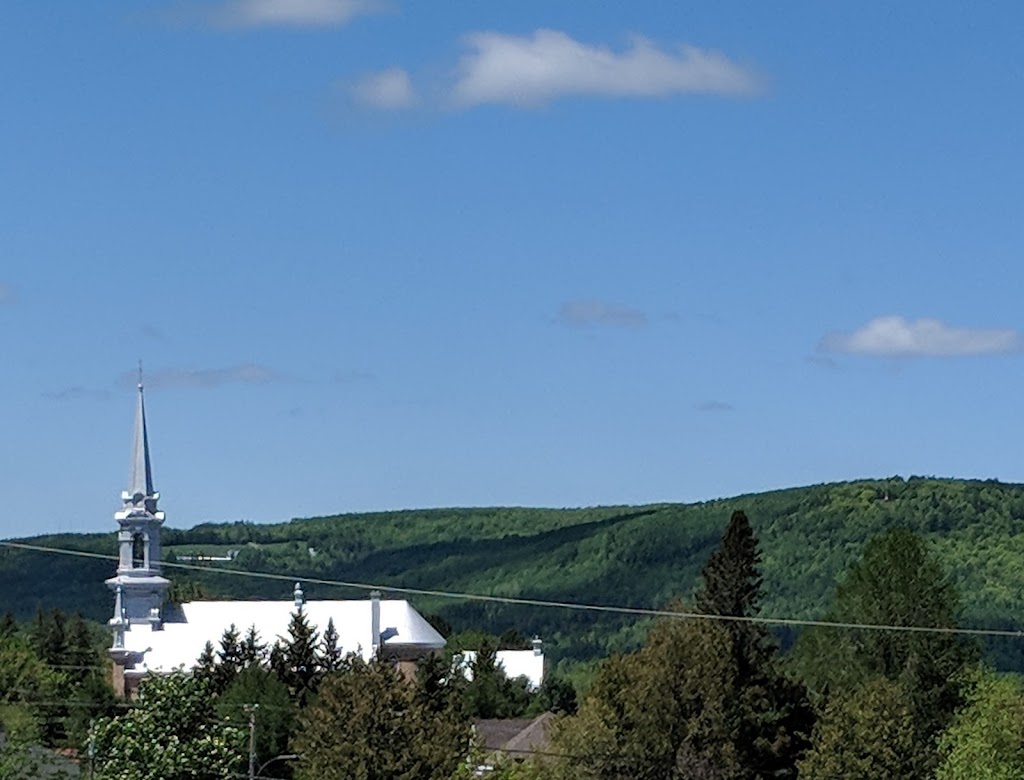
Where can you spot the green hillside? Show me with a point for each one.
(629, 556)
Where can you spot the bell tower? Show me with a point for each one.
(138, 587)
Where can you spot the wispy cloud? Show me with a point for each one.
(286, 13)
(7, 295)
(389, 89)
(538, 68)
(713, 406)
(894, 336)
(245, 374)
(594, 312)
(154, 333)
(75, 393)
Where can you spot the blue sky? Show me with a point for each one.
(384, 255)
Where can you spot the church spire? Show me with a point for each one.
(141, 470)
(140, 491)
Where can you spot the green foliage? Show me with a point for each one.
(296, 659)
(701, 699)
(769, 712)
(897, 582)
(330, 655)
(172, 734)
(556, 695)
(808, 537)
(491, 694)
(369, 723)
(275, 713)
(868, 733)
(229, 660)
(986, 739)
(253, 651)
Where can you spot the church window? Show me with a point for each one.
(138, 551)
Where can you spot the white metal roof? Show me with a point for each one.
(181, 640)
(515, 663)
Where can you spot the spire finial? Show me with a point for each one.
(140, 375)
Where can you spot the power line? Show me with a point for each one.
(545, 603)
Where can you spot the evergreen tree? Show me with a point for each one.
(731, 578)
(296, 659)
(491, 694)
(49, 637)
(897, 582)
(82, 656)
(331, 656)
(253, 652)
(702, 698)
(229, 658)
(770, 711)
(206, 664)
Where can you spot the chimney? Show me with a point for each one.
(374, 622)
(538, 646)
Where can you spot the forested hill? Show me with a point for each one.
(630, 556)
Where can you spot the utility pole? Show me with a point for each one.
(252, 741)
(92, 747)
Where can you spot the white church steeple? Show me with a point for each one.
(138, 587)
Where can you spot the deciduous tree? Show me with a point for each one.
(173, 734)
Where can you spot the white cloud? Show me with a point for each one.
(290, 13)
(531, 70)
(6, 294)
(246, 374)
(894, 336)
(593, 312)
(388, 89)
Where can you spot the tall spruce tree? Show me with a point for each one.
(770, 711)
(229, 658)
(296, 659)
(253, 651)
(331, 654)
(701, 699)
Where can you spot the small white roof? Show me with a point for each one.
(515, 663)
(181, 640)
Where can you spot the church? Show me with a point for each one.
(152, 636)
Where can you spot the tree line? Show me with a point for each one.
(701, 699)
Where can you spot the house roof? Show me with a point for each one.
(516, 739)
(180, 640)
